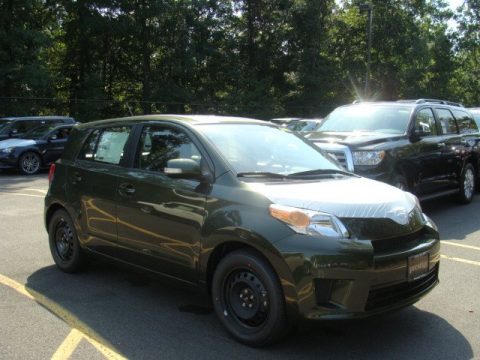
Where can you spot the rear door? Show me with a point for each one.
(159, 217)
(92, 186)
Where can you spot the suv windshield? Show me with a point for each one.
(369, 118)
(251, 148)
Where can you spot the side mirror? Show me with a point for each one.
(52, 137)
(183, 169)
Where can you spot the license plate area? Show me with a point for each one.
(418, 266)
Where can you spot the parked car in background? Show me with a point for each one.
(258, 218)
(15, 127)
(428, 147)
(284, 121)
(476, 115)
(38, 148)
(304, 125)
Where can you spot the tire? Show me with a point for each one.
(63, 241)
(29, 163)
(400, 182)
(467, 185)
(248, 299)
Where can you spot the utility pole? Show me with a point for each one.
(369, 8)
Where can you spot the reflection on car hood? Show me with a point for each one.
(16, 143)
(345, 198)
(353, 138)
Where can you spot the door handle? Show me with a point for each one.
(126, 189)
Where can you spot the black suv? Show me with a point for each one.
(428, 147)
(15, 127)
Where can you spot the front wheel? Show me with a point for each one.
(248, 299)
(29, 163)
(64, 245)
(467, 184)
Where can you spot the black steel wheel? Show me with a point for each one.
(29, 163)
(248, 298)
(64, 245)
(467, 184)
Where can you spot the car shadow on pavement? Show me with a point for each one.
(145, 319)
(454, 221)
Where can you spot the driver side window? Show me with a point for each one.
(159, 144)
(425, 123)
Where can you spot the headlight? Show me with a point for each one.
(7, 150)
(309, 222)
(368, 157)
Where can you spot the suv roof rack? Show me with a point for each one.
(437, 101)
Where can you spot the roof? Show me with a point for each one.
(190, 119)
(50, 117)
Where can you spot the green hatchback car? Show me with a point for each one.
(265, 223)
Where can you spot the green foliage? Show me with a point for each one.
(262, 58)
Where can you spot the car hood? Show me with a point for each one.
(353, 138)
(16, 143)
(351, 197)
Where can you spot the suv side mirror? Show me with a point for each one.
(183, 169)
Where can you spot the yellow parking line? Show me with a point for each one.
(20, 194)
(461, 245)
(101, 344)
(465, 261)
(68, 346)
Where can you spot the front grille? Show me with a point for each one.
(340, 156)
(397, 243)
(390, 295)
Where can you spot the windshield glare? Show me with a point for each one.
(262, 148)
(368, 118)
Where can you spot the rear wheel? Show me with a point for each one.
(29, 163)
(467, 184)
(248, 299)
(64, 245)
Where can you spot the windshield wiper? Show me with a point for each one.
(320, 172)
(261, 174)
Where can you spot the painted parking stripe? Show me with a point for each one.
(465, 261)
(68, 346)
(101, 344)
(461, 245)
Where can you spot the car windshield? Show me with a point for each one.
(263, 149)
(392, 119)
(4, 123)
(39, 132)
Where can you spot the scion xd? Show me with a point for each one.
(254, 215)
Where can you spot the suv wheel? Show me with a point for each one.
(29, 163)
(64, 245)
(248, 299)
(467, 184)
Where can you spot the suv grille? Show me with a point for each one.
(339, 156)
(339, 152)
(389, 295)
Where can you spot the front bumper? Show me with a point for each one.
(7, 161)
(359, 278)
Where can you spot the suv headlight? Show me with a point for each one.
(368, 157)
(309, 222)
(7, 150)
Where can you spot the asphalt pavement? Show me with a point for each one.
(115, 313)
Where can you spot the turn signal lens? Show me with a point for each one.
(51, 172)
(289, 215)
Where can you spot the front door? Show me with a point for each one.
(159, 218)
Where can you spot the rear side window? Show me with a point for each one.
(465, 123)
(447, 122)
(159, 144)
(107, 145)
